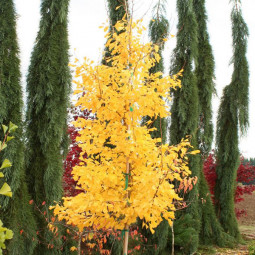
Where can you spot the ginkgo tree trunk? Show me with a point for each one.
(132, 178)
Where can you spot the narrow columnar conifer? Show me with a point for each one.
(16, 213)
(232, 119)
(185, 115)
(116, 11)
(158, 32)
(48, 88)
(211, 231)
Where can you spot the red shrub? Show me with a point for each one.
(73, 156)
(245, 175)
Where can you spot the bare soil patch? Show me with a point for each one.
(249, 205)
(247, 222)
(246, 226)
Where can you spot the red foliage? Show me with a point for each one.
(245, 174)
(73, 156)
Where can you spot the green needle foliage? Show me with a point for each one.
(205, 79)
(116, 11)
(158, 31)
(48, 88)
(211, 231)
(185, 103)
(185, 110)
(232, 118)
(16, 212)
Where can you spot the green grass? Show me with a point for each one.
(206, 250)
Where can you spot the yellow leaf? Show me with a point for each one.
(90, 236)
(195, 152)
(73, 248)
(6, 190)
(119, 26)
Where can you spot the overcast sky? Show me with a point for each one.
(86, 16)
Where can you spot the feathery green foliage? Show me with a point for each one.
(185, 234)
(185, 108)
(205, 76)
(158, 31)
(185, 103)
(116, 11)
(232, 118)
(48, 87)
(211, 231)
(16, 212)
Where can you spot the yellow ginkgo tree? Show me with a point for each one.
(126, 174)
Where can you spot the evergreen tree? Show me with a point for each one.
(185, 113)
(48, 87)
(158, 31)
(211, 231)
(16, 212)
(232, 118)
(205, 76)
(116, 11)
